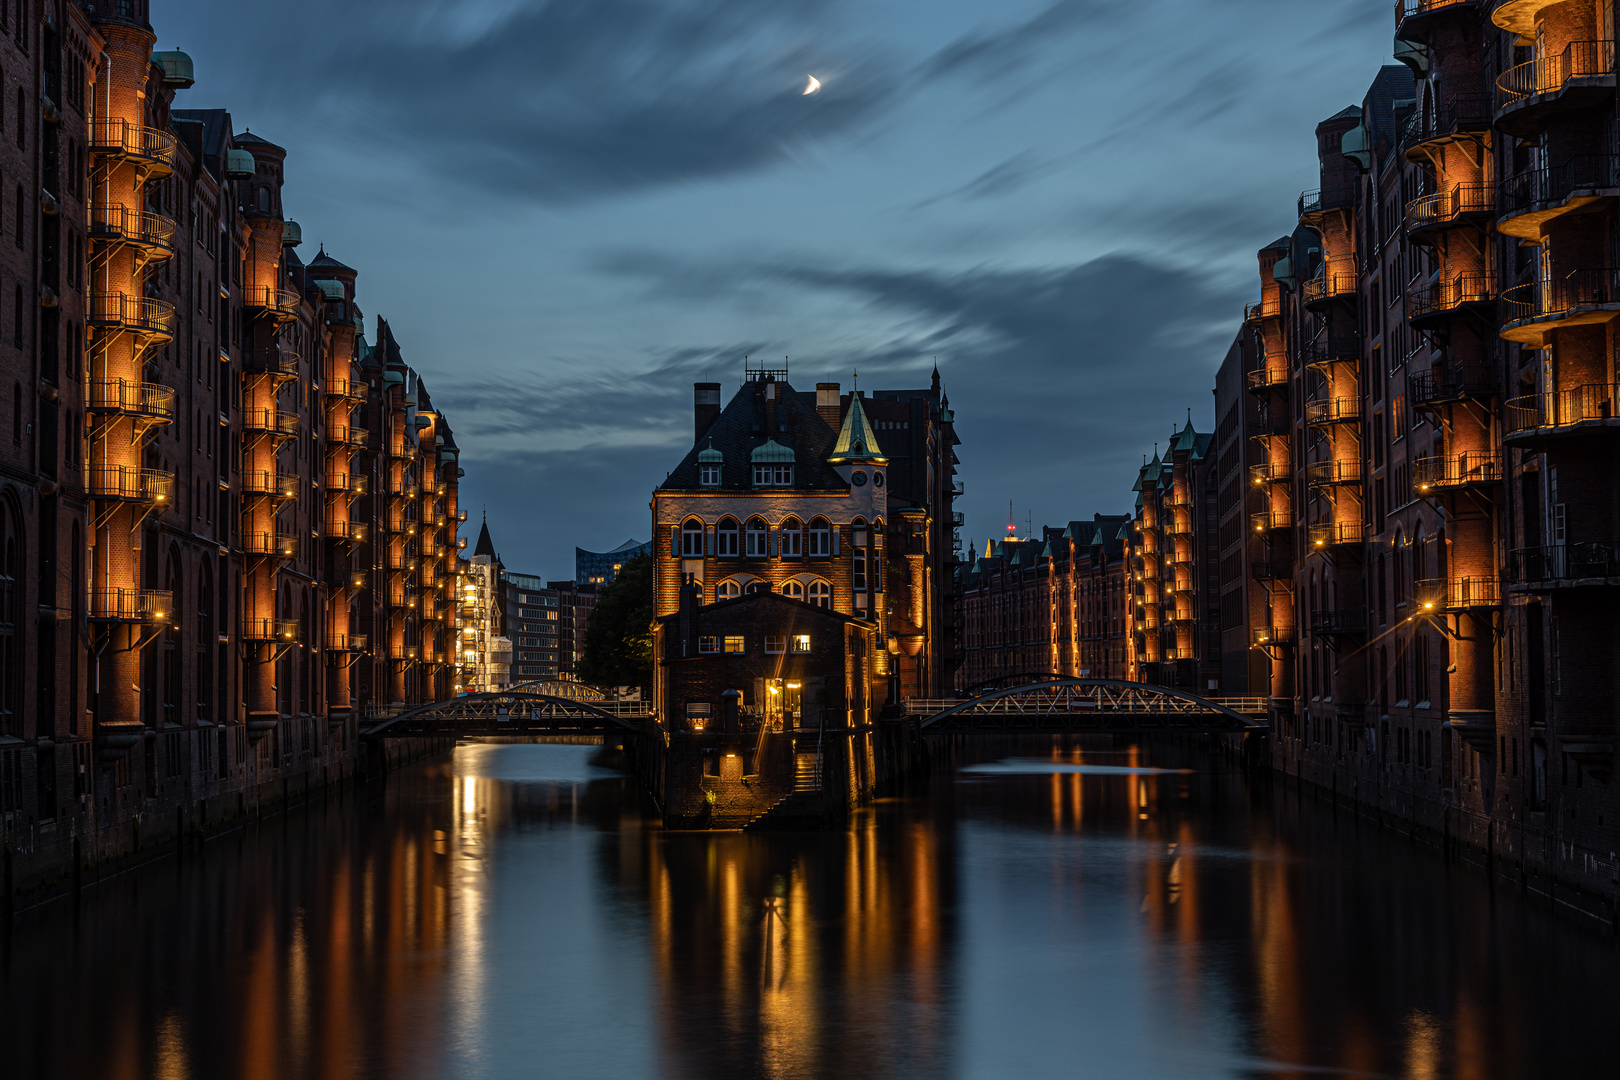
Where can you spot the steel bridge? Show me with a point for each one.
(1058, 705)
(515, 712)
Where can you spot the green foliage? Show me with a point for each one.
(618, 639)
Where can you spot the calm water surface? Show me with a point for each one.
(1052, 911)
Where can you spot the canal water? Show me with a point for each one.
(1053, 909)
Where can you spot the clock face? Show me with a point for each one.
(858, 479)
(877, 479)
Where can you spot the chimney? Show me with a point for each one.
(705, 408)
(827, 404)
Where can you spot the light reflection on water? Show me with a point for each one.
(1055, 910)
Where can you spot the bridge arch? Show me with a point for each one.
(508, 713)
(1062, 704)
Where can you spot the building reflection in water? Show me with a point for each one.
(1066, 907)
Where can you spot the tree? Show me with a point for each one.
(618, 638)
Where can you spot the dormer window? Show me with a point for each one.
(773, 465)
(773, 476)
(709, 475)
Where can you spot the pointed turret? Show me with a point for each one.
(486, 546)
(856, 439)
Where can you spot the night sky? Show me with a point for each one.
(569, 210)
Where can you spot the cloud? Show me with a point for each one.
(1006, 178)
(998, 53)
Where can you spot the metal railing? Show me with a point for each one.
(120, 138)
(1333, 533)
(1566, 562)
(1457, 594)
(131, 605)
(1440, 297)
(272, 361)
(1561, 408)
(1453, 382)
(1262, 636)
(1456, 471)
(128, 483)
(275, 485)
(1542, 189)
(349, 389)
(349, 435)
(141, 314)
(1270, 571)
(1339, 410)
(273, 545)
(270, 630)
(344, 529)
(1461, 200)
(271, 298)
(1550, 74)
(347, 483)
(1324, 473)
(1331, 621)
(133, 398)
(1577, 289)
(346, 642)
(273, 421)
(1453, 117)
(1269, 472)
(404, 652)
(1406, 9)
(1338, 278)
(134, 226)
(1271, 520)
(1265, 309)
(1268, 377)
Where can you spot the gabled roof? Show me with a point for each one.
(856, 439)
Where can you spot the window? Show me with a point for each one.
(773, 475)
(709, 475)
(727, 590)
(821, 594)
(758, 537)
(793, 590)
(801, 643)
(820, 538)
(734, 643)
(725, 538)
(858, 564)
(692, 539)
(792, 539)
(775, 644)
(708, 644)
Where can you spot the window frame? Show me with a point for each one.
(728, 535)
(688, 532)
(757, 529)
(734, 644)
(775, 644)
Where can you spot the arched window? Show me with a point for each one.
(758, 537)
(727, 590)
(821, 594)
(793, 590)
(725, 538)
(759, 586)
(692, 539)
(1419, 559)
(16, 414)
(17, 212)
(820, 538)
(792, 532)
(1398, 567)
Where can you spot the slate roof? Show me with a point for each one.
(1392, 85)
(247, 138)
(485, 545)
(740, 429)
(323, 261)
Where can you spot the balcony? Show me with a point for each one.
(353, 390)
(1267, 521)
(1271, 571)
(1429, 305)
(1265, 309)
(1449, 385)
(1329, 473)
(1579, 298)
(271, 422)
(1434, 475)
(148, 606)
(277, 303)
(1337, 281)
(150, 149)
(1566, 566)
(1464, 204)
(124, 483)
(1330, 348)
(346, 643)
(1330, 534)
(1528, 201)
(400, 561)
(1338, 622)
(1314, 204)
(1464, 117)
(349, 435)
(1173, 654)
(340, 578)
(346, 483)
(346, 531)
(152, 233)
(1271, 426)
(1268, 377)
(402, 451)
(1339, 410)
(271, 630)
(1531, 95)
(151, 401)
(140, 315)
(1458, 594)
(1269, 472)
(1410, 13)
(1580, 410)
(270, 545)
(1265, 637)
(282, 487)
(281, 363)
(404, 652)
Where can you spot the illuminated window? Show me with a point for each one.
(821, 594)
(775, 644)
(734, 644)
(820, 538)
(725, 538)
(692, 539)
(801, 642)
(708, 645)
(793, 590)
(792, 538)
(758, 539)
(727, 590)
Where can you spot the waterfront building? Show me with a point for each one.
(1053, 605)
(229, 522)
(601, 567)
(486, 651)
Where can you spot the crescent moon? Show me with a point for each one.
(815, 84)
